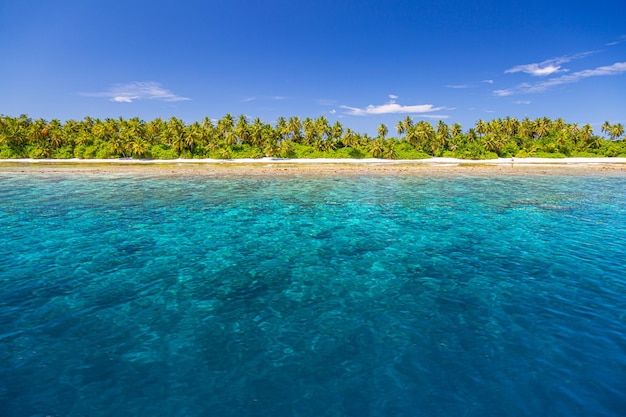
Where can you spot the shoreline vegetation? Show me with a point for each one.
(292, 138)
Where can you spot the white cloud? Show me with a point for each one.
(538, 70)
(526, 88)
(249, 99)
(618, 41)
(459, 86)
(138, 90)
(122, 99)
(391, 108)
(521, 102)
(547, 67)
(393, 96)
(488, 81)
(333, 111)
(503, 93)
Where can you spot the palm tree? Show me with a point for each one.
(617, 130)
(481, 127)
(193, 137)
(441, 138)
(225, 126)
(295, 128)
(472, 135)
(400, 128)
(424, 134)
(380, 148)
(526, 130)
(282, 128)
(350, 139)
(323, 127)
(456, 130)
(510, 126)
(175, 131)
(606, 128)
(256, 133)
(55, 133)
(336, 131)
(542, 126)
(377, 148)
(310, 131)
(404, 126)
(155, 130)
(382, 131)
(241, 130)
(586, 133)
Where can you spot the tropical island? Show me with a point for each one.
(296, 138)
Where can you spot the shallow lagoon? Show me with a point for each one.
(459, 295)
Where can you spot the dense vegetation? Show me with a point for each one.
(229, 137)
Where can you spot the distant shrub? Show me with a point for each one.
(6, 152)
(405, 150)
(509, 150)
(554, 155)
(246, 151)
(104, 152)
(475, 151)
(162, 152)
(64, 152)
(612, 149)
(582, 154)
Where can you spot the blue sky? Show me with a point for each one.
(360, 62)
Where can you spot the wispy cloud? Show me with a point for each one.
(253, 98)
(521, 102)
(547, 67)
(618, 41)
(138, 90)
(391, 108)
(526, 88)
(503, 93)
(468, 85)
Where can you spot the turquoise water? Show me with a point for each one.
(335, 296)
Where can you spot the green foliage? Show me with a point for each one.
(7, 152)
(582, 154)
(162, 152)
(554, 155)
(230, 137)
(246, 151)
(348, 153)
(612, 149)
(64, 152)
(475, 151)
(509, 150)
(405, 150)
(310, 152)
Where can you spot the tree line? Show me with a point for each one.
(293, 137)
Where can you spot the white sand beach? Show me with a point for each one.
(278, 166)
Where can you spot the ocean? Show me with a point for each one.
(404, 295)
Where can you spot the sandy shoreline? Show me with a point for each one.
(282, 167)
